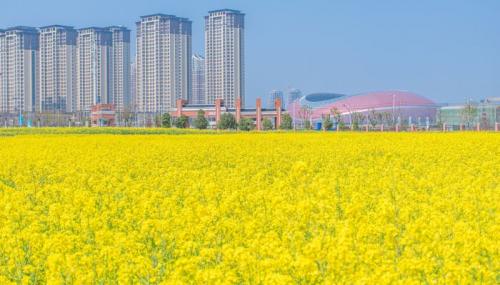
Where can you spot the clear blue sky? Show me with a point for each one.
(448, 50)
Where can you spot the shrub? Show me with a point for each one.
(200, 122)
(267, 125)
(246, 124)
(286, 122)
(227, 122)
(166, 121)
(182, 122)
(327, 123)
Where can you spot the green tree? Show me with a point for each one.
(227, 122)
(166, 120)
(327, 122)
(200, 122)
(286, 122)
(246, 124)
(182, 122)
(341, 125)
(267, 125)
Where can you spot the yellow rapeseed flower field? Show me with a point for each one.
(278, 208)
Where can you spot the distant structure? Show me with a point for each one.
(394, 107)
(486, 113)
(163, 62)
(120, 79)
(273, 96)
(57, 69)
(293, 94)
(19, 69)
(94, 63)
(224, 55)
(213, 112)
(103, 115)
(198, 94)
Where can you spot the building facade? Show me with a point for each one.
(198, 94)
(19, 67)
(57, 81)
(486, 113)
(120, 79)
(391, 107)
(213, 112)
(94, 64)
(3, 72)
(163, 64)
(133, 84)
(224, 55)
(273, 96)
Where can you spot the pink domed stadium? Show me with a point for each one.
(402, 104)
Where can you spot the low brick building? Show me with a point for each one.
(103, 115)
(214, 112)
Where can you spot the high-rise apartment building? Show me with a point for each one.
(120, 79)
(3, 72)
(273, 95)
(94, 64)
(198, 94)
(224, 48)
(163, 62)
(133, 84)
(19, 67)
(293, 94)
(57, 81)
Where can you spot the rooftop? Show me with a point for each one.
(225, 10)
(122, 28)
(165, 16)
(57, 26)
(23, 29)
(159, 15)
(318, 97)
(99, 29)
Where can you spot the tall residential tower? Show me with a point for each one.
(3, 72)
(133, 84)
(94, 64)
(198, 94)
(19, 67)
(224, 48)
(163, 62)
(121, 95)
(57, 79)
